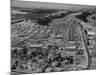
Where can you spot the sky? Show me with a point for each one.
(32, 4)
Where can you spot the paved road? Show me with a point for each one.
(84, 36)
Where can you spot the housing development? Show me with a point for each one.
(51, 39)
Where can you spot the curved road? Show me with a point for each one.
(84, 36)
